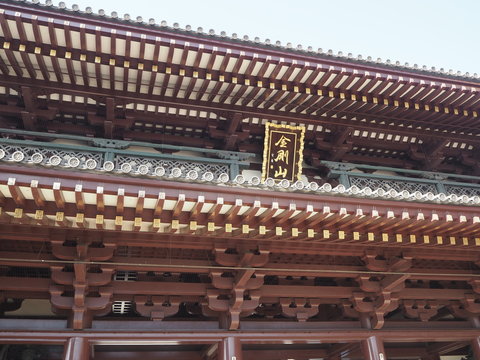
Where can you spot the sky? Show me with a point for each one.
(439, 33)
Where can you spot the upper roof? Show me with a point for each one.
(90, 74)
(266, 44)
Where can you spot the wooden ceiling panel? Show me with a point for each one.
(270, 70)
(219, 60)
(136, 51)
(204, 60)
(9, 29)
(190, 58)
(254, 70)
(248, 98)
(294, 73)
(226, 96)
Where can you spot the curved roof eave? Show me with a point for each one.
(298, 53)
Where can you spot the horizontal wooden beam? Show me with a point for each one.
(328, 293)
(251, 337)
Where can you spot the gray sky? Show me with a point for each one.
(439, 33)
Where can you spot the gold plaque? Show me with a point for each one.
(283, 152)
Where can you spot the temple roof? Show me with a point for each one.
(234, 38)
(67, 71)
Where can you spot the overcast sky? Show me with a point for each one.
(439, 33)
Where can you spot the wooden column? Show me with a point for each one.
(230, 348)
(365, 321)
(373, 349)
(476, 348)
(77, 348)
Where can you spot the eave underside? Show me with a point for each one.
(167, 254)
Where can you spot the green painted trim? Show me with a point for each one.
(344, 179)
(100, 143)
(110, 150)
(332, 165)
(398, 178)
(109, 153)
(343, 172)
(461, 184)
(337, 173)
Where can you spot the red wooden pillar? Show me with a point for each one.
(77, 348)
(476, 348)
(373, 349)
(230, 348)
